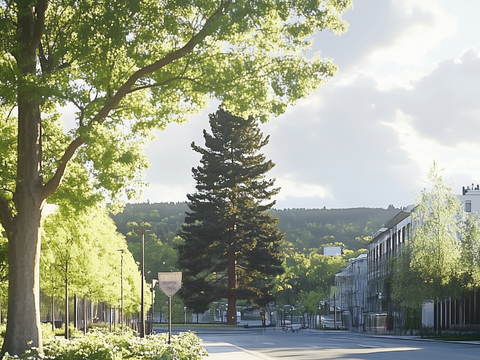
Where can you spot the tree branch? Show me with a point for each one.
(40, 9)
(177, 54)
(52, 185)
(166, 82)
(6, 216)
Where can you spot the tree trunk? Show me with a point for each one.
(23, 288)
(53, 314)
(24, 240)
(23, 325)
(232, 286)
(85, 316)
(75, 312)
(67, 320)
(23, 224)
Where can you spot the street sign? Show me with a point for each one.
(170, 282)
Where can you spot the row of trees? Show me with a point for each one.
(81, 256)
(441, 259)
(83, 253)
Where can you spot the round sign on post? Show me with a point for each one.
(170, 282)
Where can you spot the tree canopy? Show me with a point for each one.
(430, 265)
(82, 249)
(128, 68)
(309, 276)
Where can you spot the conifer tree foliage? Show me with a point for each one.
(231, 247)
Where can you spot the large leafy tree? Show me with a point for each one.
(128, 67)
(231, 244)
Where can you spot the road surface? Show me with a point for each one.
(317, 345)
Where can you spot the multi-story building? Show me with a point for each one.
(382, 313)
(352, 292)
(470, 198)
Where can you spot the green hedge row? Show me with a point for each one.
(99, 344)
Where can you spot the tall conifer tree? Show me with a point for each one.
(231, 247)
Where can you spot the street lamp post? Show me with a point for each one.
(121, 288)
(154, 282)
(142, 305)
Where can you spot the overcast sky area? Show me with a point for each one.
(407, 93)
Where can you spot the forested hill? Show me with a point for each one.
(165, 219)
(304, 228)
(311, 228)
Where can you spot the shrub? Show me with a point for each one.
(74, 333)
(103, 345)
(47, 331)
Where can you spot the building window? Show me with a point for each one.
(468, 206)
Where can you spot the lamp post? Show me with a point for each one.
(142, 305)
(121, 288)
(154, 282)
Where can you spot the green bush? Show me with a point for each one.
(47, 331)
(103, 345)
(74, 333)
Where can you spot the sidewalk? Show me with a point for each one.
(418, 338)
(222, 351)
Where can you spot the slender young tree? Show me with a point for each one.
(470, 254)
(231, 247)
(431, 260)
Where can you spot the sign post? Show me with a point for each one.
(170, 283)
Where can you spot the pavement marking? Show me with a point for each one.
(223, 349)
(368, 346)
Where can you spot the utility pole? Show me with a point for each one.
(121, 289)
(142, 305)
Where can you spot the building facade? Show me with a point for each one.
(352, 292)
(382, 313)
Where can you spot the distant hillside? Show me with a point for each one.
(311, 228)
(165, 218)
(305, 228)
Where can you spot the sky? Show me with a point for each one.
(407, 94)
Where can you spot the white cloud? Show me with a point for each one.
(426, 25)
(444, 104)
(403, 98)
(164, 191)
(295, 189)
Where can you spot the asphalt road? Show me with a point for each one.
(318, 345)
